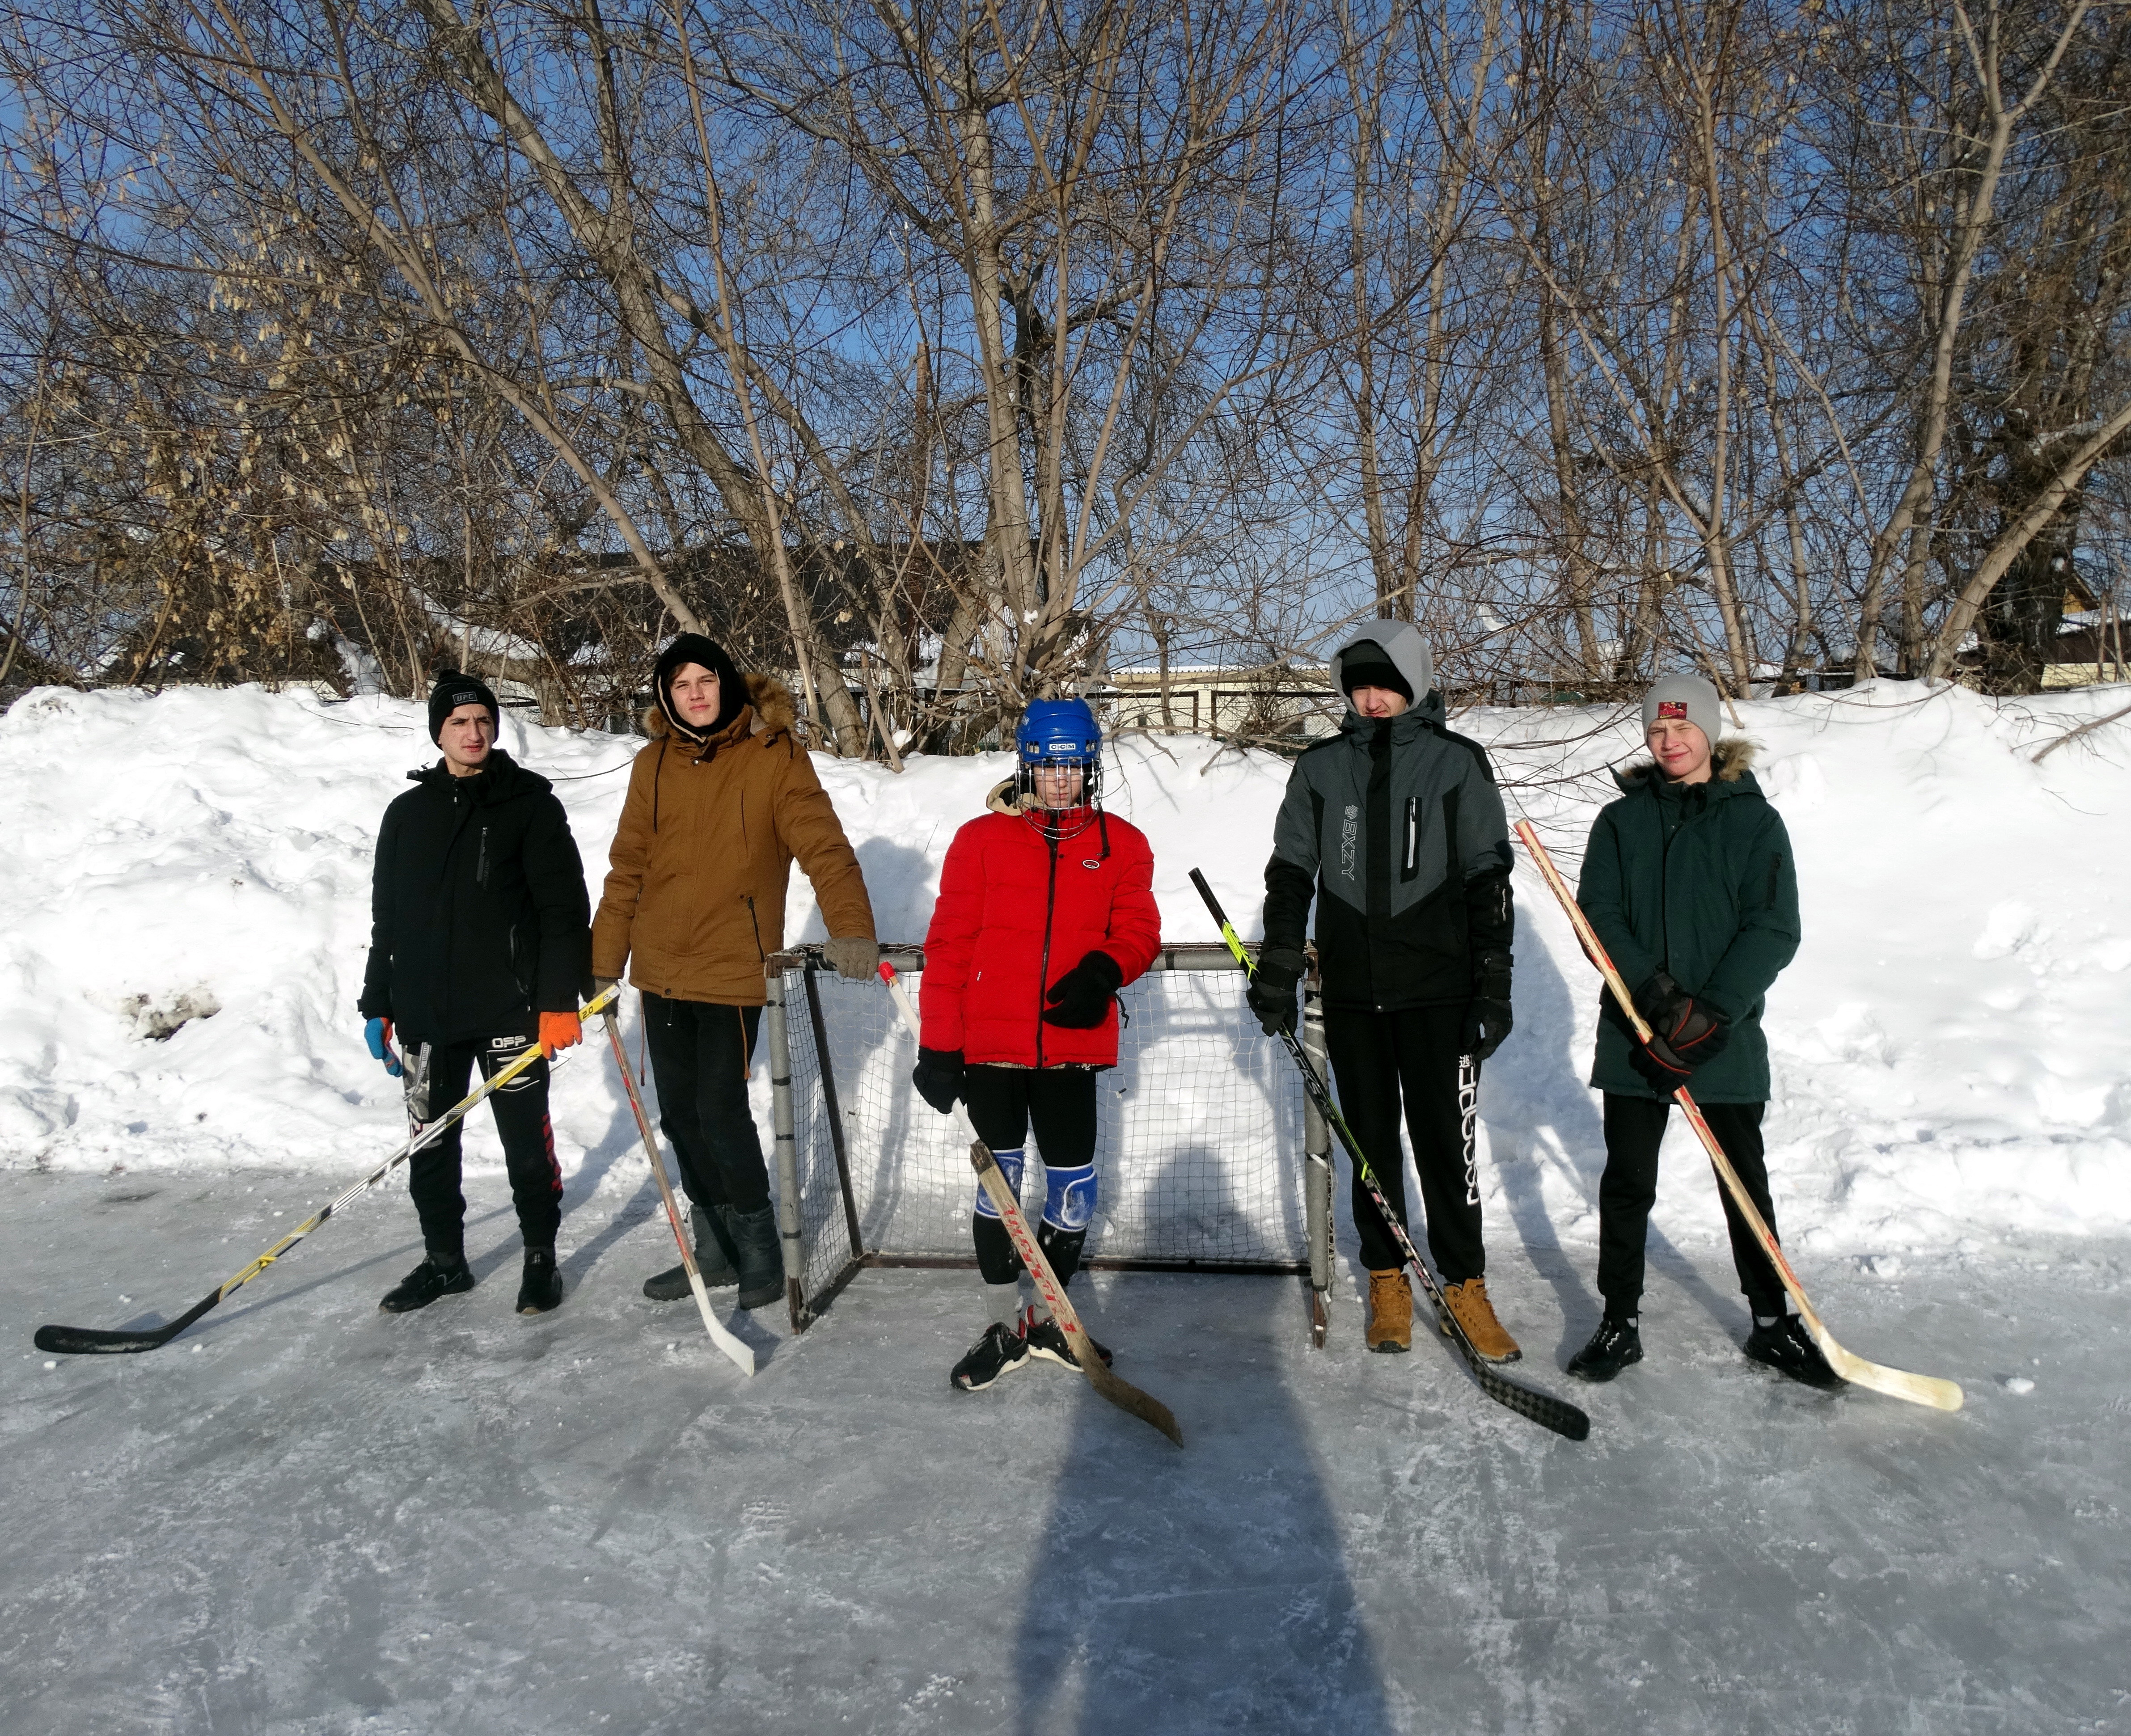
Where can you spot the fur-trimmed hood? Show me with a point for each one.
(1731, 760)
(770, 711)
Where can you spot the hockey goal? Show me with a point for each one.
(1210, 1157)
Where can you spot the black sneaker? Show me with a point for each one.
(1047, 1339)
(1789, 1348)
(1000, 1352)
(1612, 1347)
(541, 1289)
(425, 1283)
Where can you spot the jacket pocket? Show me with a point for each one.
(481, 860)
(1410, 841)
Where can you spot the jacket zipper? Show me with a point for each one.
(1043, 976)
(755, 923)
(1410, 864)
(481, 863)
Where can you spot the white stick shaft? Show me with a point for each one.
(742, 1355)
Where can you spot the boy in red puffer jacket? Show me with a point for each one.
(1045, 911)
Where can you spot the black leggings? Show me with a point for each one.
(701, 1051)
(1635, 1129)
(1004, 1102)
(1377, 1059)
(521, 1118)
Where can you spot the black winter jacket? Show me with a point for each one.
(1396, 829)
(479, 919)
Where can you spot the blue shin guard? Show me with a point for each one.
(1011, 1165)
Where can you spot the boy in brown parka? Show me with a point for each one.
(721, 803)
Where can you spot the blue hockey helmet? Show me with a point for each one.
(1059, 733)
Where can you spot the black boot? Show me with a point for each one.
(757, 1253)
(1612, 1347)
(434, 1278)
(712, 1260)
(541, 1289)
(1788, 1347)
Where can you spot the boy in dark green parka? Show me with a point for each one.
(1690, 883)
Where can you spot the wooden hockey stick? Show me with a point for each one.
(1120, 1392)
(1896, 1382)
(742, 1355)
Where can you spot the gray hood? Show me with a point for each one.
(1402, 645)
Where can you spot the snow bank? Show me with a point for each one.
(1950, 1047)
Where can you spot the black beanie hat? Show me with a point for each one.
(453, 689)
(692, 647)
(1365, 663)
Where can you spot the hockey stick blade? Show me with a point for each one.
(1119, 1391)
(90, 1341)
(1559, 1414)
(1927, 1389)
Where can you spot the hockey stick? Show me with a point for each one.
(74, 1340)
(1120, 1392)
(1896, 1382)
(1543, 1408)
(743, 1357)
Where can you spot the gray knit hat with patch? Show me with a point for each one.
(1686, 696)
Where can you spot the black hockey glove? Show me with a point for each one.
(938, 1077)
(1685, 1034)
(1271, 995)
(1081, 999)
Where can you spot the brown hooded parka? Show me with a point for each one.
(694, 899)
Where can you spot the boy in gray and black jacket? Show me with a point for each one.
(1396, 829)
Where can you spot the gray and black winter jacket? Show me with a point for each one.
(1395, 828)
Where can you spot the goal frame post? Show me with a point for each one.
(804, 963)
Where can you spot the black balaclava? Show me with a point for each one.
(692, 647)
(1365, 663)
(453, 689)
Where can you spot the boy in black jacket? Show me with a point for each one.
(1394, 829)
(480, 941)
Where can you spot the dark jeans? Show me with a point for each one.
(1004, 1102)
(1377, 1059)
(521, 1118)
(1635, 1128)
(700, 1052)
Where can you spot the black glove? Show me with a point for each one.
(1271, 994)
(1685, 1034)
(1487, 1018)
(938, 1077)
(1488, 1022)
(1081, 999)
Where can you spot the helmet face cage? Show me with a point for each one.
(1065, 822)
(1058, 734)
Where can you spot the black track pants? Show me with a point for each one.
(1377, 1059)
(1635, 1129)
(528, 1144)
(1004, 1102)
(700, 1054)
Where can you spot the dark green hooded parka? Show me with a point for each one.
(1697, 880)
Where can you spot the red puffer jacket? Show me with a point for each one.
(1015, 913)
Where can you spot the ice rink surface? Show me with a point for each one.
(305, 1516)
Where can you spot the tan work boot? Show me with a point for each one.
(1390, 1311)
(1468, 1302)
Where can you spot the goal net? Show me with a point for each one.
(1201, 1152)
